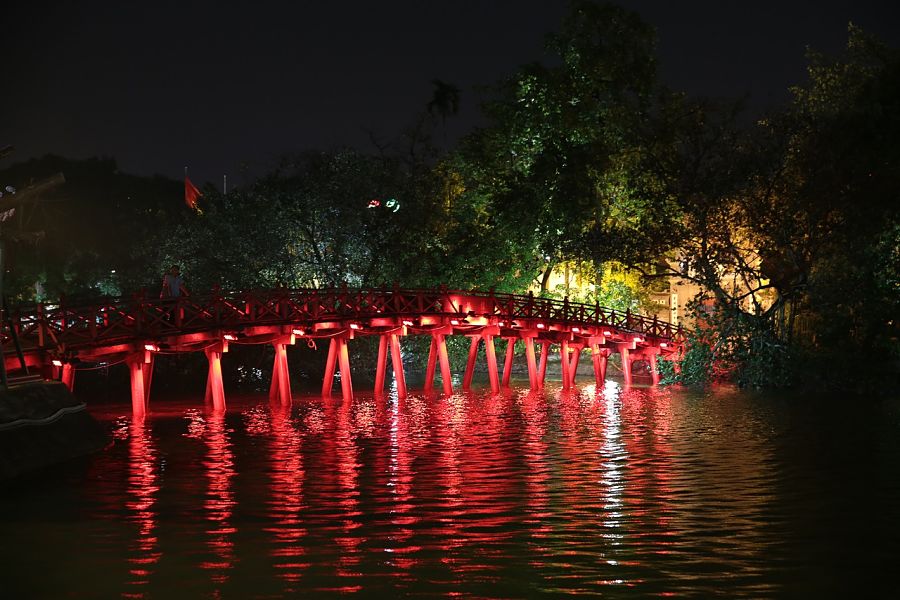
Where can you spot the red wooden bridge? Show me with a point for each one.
(55, 339)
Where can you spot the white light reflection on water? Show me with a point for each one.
(613, 457)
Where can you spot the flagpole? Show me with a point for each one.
(224, 184)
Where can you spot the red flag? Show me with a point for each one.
(191, 194)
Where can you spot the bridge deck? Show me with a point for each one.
(114, 329)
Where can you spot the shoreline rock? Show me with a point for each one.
(42, 424)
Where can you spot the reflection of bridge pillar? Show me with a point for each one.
(438, 353)
(215, 391)
(68, 376)
(281, 380)
(564, 364)
(507, 364)
(140, 365)
(542, 370)
(600, 357)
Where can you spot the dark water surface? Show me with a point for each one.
(617, 493)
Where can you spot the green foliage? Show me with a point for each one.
(695, 367)
(731, 347)
(548, 166)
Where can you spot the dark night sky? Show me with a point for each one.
(160, 86)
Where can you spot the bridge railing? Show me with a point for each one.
(109, 320)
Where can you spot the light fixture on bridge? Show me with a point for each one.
(355, 326)
(576, 330)
(298, 331)
(231, 337)
(639, 340)
(56, 362)
(501, 324)
(540, 326)
(607, 333)
(663, 345)
(408, 322)
(151, 347)
(454, 321)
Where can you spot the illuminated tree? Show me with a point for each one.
(549, 164)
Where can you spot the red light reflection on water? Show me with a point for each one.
(347, 461)
(475, 530)
(219, 502)
(287, 500)
(533, 408)
(143, 486)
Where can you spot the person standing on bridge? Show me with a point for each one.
(173, 284)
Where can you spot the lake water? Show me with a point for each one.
(619, 493)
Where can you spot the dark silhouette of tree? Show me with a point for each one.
(444, 100)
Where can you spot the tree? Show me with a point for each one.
(550, 163)
(100, 230)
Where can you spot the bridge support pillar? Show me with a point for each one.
(564, 362)
(438, 353)
(650, 355)
(507, 363)
(215, 391)
(470, 363)
(338, 357)
(625, 354)
(491, 356)
(542, 370)
(330, 363)
(573, 362)
(280, 389)
(68, 376)
(140, 365)
(381, 364)
(397, 364)
(599, 357)
(530, 359)
(654, 372)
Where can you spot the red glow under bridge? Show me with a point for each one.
(56, 338)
